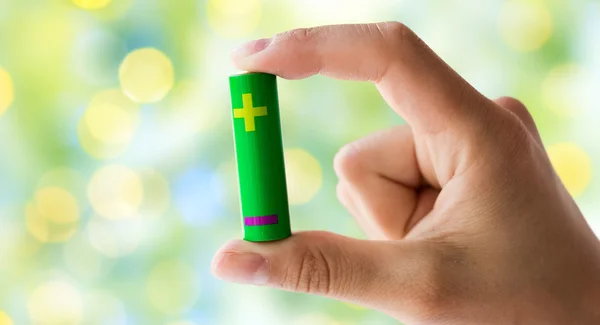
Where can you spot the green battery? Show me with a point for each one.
(259, 157)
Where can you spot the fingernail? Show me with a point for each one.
(244, 268)
(252, 47)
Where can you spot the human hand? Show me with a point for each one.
(467, 220)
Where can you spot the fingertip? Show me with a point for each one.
(237, 62)
(243, 57)
(250, 48)
(214, 265)
(228, 247)
(236, 262)
(232, 246)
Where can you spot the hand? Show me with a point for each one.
(469, 224)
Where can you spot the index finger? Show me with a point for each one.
(413, 80)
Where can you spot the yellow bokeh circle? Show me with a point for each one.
(304, 175)
(111, 117)
(105, 10)
(573, 166)
(53, 215)
(146, 75)
(4, 319)
(55, 303)
(234, 18)
(6, 91)
(45, 231)
(525, 25)
(57, 205)
(115, 192)
(171, 287)
(91, 4)
(95, 148)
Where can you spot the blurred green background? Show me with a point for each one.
(117, 174)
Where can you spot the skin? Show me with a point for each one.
(467, 221)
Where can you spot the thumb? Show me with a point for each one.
(369, 273)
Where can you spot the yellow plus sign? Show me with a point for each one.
(248, 113)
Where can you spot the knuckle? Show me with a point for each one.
(518, 138)
(311, 274)
(302, 35)
(396, 31)
(518, 108)
(298, 36)
(508, 134)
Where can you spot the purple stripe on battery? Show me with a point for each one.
(261, 221)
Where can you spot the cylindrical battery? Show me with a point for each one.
(259, 157)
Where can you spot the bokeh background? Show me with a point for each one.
(117, 173)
